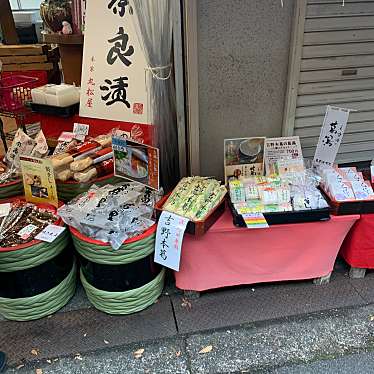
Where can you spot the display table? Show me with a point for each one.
(358, 247)
(228, 256)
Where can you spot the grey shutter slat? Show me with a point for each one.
(348, 49)
(338, 2)
(337, 98)
(351, 128)
(320, 110)
(339, 23)
(337, 74)
(347, 139)
(341, 62)
(330, 10)
(334, 37)
(318, 120)
(329, 87)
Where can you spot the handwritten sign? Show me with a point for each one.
(279, 149)
(255, 221)
(39, 180)
(80, 131)
(169, 238)
(113, 72)
(50, 233)
(331, 135)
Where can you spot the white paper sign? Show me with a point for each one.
(5, 209)
(114, 66)
(50, 233)
(331, 135)
(169, 238)
(80, 131)
(285, 148)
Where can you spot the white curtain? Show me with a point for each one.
(154, 27)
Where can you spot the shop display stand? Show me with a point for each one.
(229, 256)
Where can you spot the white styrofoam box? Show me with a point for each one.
(56, 95)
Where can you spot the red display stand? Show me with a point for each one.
(358, 247)
(228, 256)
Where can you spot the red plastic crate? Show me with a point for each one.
(15, 91)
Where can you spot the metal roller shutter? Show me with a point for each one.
(332, 62)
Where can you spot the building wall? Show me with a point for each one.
(243, 49)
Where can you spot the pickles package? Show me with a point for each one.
(195, 197)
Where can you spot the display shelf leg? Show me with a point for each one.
(191, 295)
(357, 273)
(322, 280)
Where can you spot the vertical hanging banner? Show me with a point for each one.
(169, 238)
(113, 83)
(331, 135)
(38, 180)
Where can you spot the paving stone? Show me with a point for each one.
(83, 331)
(299, 340)
(166, 357)
(365, 286)
(236, 306)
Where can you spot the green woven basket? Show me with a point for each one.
(11, 189)
(132, 250)
(66, 191)
(29, 256)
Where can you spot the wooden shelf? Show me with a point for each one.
(63, 39)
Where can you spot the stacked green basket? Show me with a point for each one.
(131, 267)
(37, 278)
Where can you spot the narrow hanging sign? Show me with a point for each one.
(331, 135)
(169, 238)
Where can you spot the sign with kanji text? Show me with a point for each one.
(113, 83)
(39, 180)
(279, 149)
(50, 233)
(243, 157)
(169, 238)
(331, 136)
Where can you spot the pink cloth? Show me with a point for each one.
(228, 256)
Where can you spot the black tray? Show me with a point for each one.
(278, 218)
(64, 112)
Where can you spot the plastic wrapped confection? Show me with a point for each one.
(112, 213)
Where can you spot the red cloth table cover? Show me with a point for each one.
(358, 247)
(227, 255)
